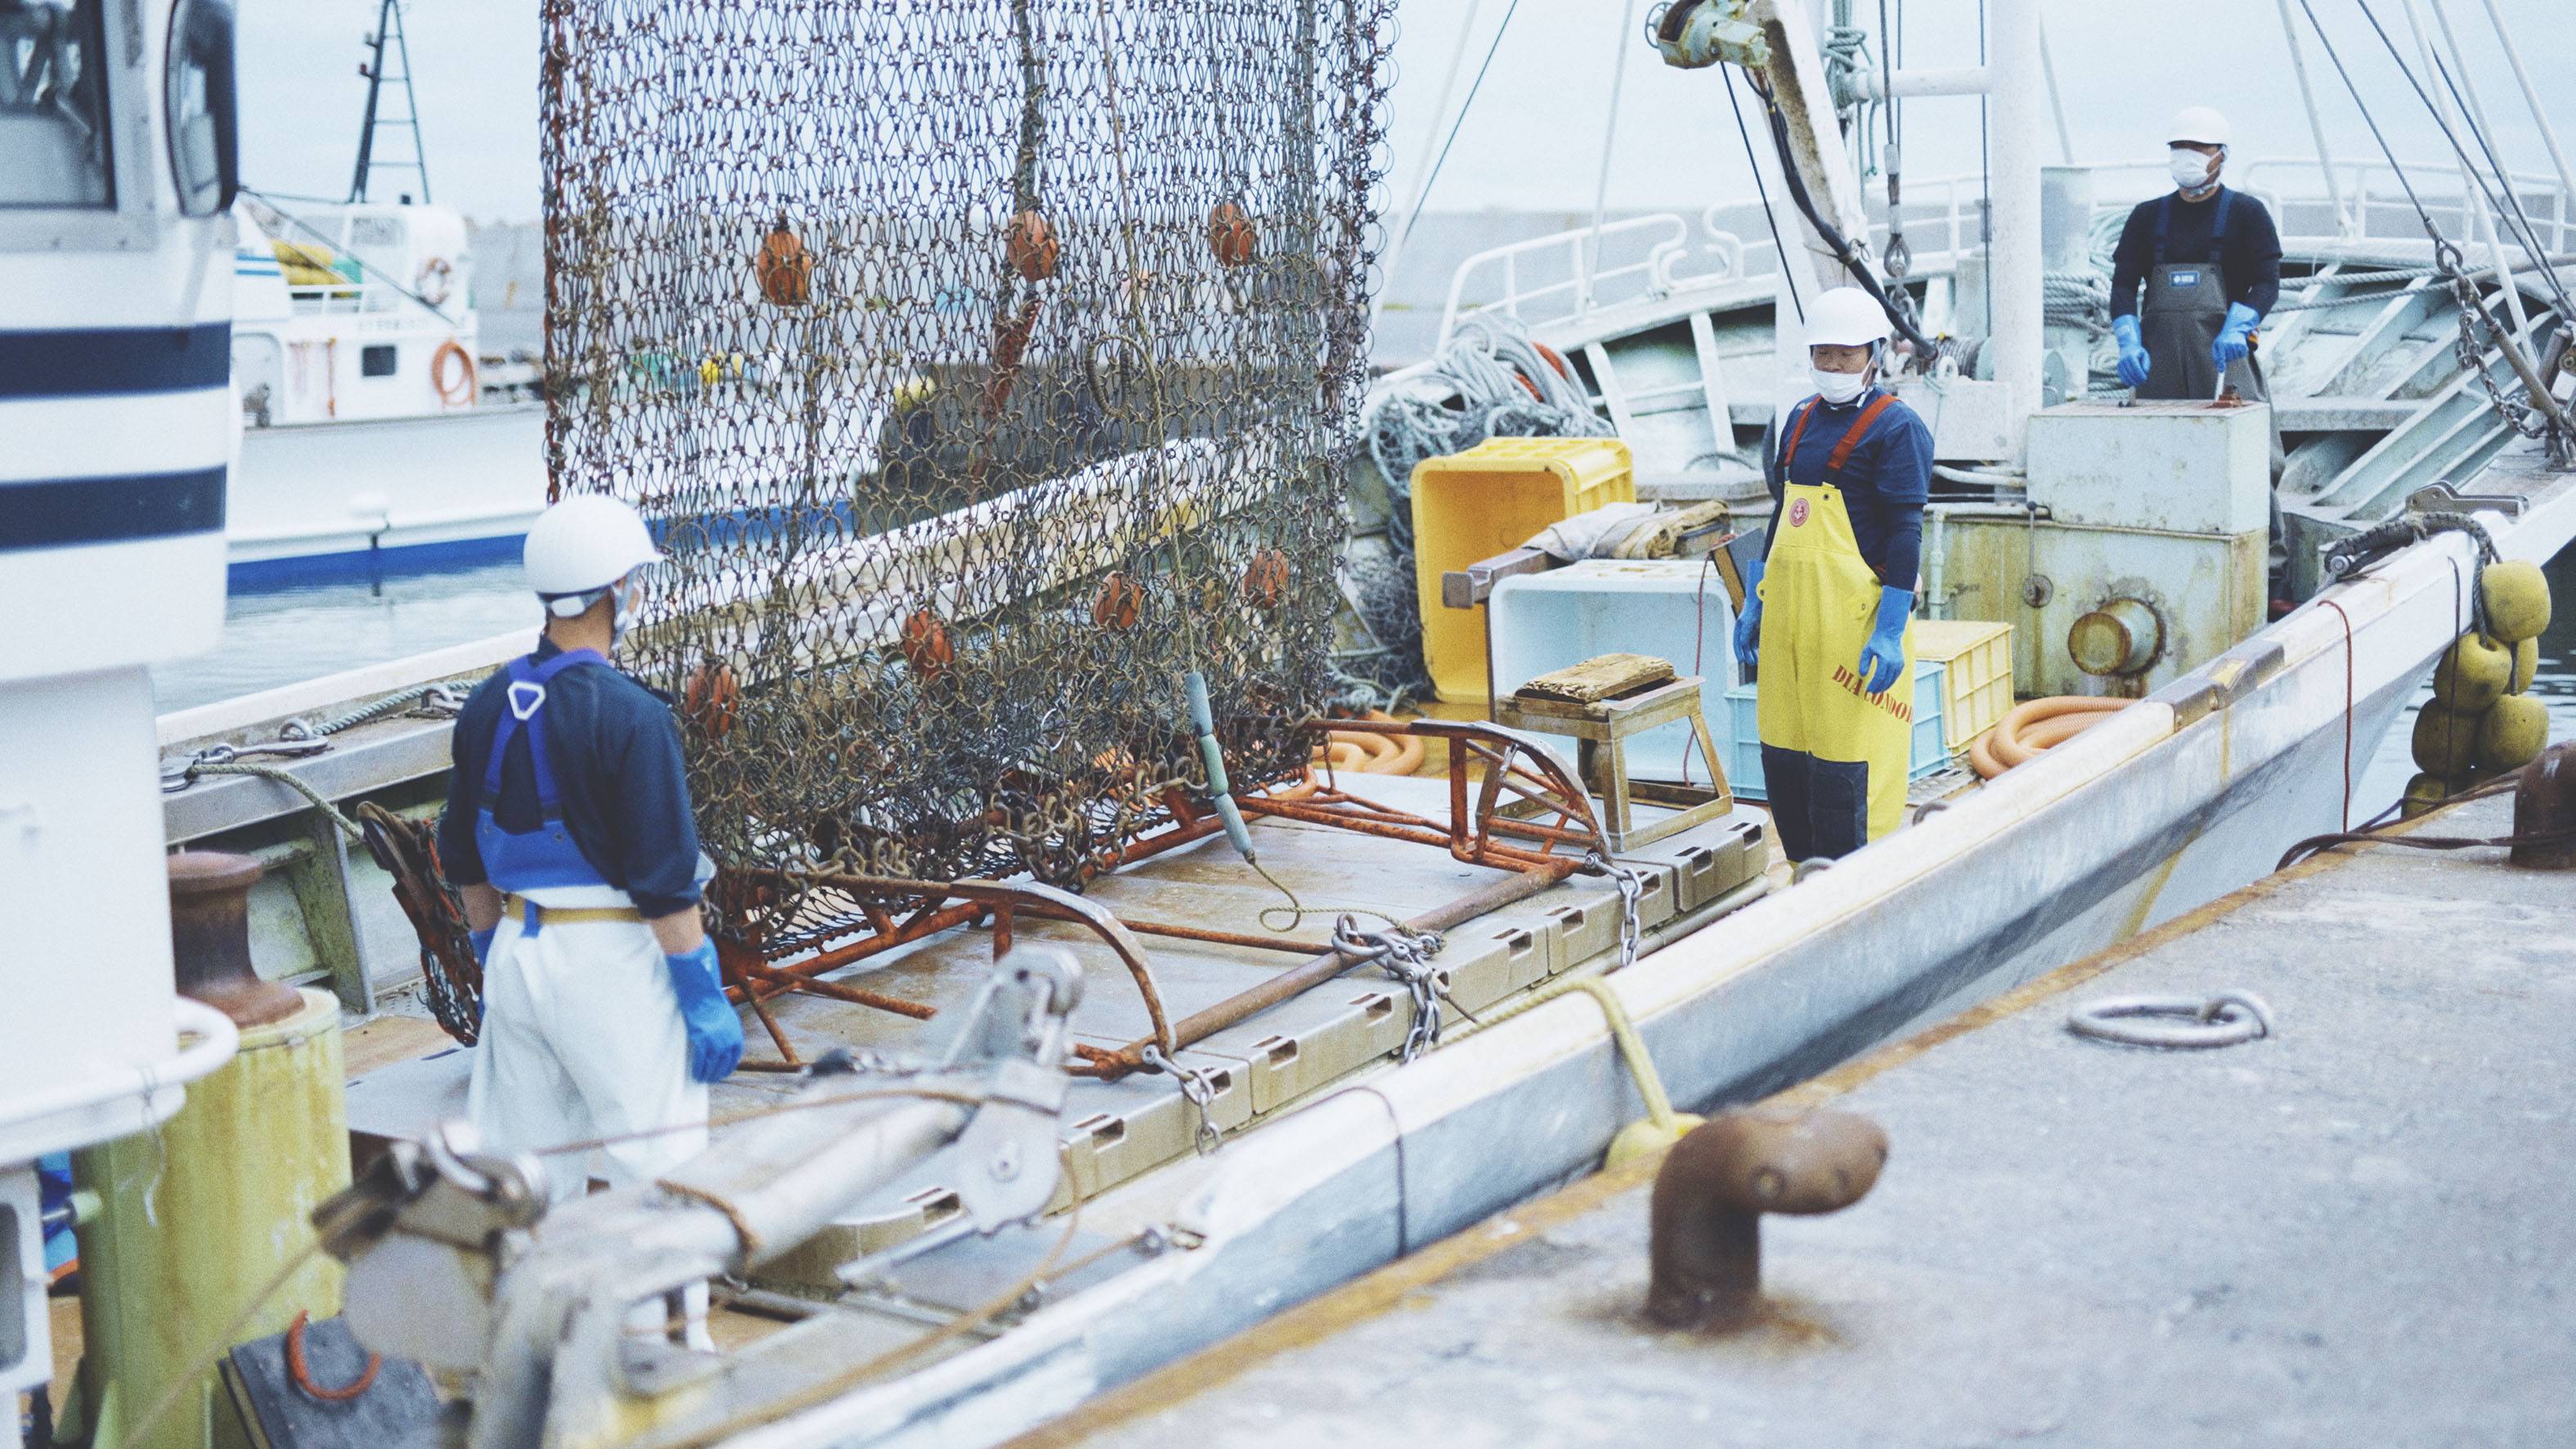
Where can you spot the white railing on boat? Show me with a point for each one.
(1569, 275)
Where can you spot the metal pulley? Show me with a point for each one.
(1693, 34)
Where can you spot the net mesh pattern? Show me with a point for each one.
(987, 365)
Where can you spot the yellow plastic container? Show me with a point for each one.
(1978, 675)
(1491, 499)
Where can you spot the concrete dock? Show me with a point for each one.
(2354, 1230)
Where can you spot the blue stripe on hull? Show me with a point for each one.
(90, 361)
(267, 575)
(68, 512)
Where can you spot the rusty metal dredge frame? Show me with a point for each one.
(1489, 769)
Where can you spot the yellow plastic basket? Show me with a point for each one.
(1487, 500)
(1978, 678)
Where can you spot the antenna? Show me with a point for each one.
(387, 39)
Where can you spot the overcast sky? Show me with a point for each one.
(1534, 136)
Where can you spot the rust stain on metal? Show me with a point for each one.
(1708, 1202)
(2544, 811)
(210, 938)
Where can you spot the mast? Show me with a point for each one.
(389, 29)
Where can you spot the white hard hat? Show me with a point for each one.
(583, 545)
(1846, 317)
(2199, 125)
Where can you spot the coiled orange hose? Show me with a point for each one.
(2035, 725)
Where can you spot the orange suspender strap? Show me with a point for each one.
(1797, 430)
(1843, 450)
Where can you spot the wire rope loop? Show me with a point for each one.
(2225, 1019)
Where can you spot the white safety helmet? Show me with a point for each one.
(1846, 317)
(2199, 125)
(582, 546)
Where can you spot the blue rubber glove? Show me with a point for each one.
(2234, 338)
(1748, 625)
(1882, 659)
(2134, 362)
(715, 1032)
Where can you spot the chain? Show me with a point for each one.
(1404, 956)
(1632, 885)
(1194, 1088)
(2478, 336)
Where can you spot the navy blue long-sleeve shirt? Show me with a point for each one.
(2249, 263)
(619, 780)
(1885, 483)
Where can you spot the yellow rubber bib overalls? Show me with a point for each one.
(1834, 760)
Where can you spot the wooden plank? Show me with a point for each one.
(1605, 676)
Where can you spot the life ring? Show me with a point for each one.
(435, 281)
(456, 389)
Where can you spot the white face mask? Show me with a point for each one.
(2192, 170)
(1838, 388)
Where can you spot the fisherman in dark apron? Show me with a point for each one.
(2209, 260)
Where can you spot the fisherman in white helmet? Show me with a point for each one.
(568, 833)
(1826, 608)
(2210, 261)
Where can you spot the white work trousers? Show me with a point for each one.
(582, 1040)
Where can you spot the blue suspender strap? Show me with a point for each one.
(2218, 227)
(2164, 220)
(524, 703)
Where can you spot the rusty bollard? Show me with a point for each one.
(210, 939)
(2544, 806)
(1720, 1179)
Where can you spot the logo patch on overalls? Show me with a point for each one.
(1797, 512)
(2186, 279)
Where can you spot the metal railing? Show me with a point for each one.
(1565, 277)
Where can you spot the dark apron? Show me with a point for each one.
(2185, 310)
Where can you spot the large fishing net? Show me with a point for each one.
(992, 364)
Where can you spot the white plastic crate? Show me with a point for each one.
(1673, 609)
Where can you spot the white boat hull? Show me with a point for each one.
(318, 500)
(2171, 804)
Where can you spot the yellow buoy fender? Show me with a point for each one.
(2512, 732)
(2473, 673)
(2445, 743)
(2526, 663)
(2517, 599)
(2422, 794)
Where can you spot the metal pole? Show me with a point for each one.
(2531, 98)
(2345, 225)
(2473, 209)
(2496, 221)
(1609, 134)
(2013, 264)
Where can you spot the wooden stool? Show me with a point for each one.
(1601, 727)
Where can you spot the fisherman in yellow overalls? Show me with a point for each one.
(1826, 608)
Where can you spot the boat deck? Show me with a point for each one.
(2350, 1231)
(1117, 1130)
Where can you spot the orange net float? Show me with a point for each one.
(1120, 604)
(2036, 725)
(1265, 579)
(926, 646)
(712, 700)
(785, 270)
(1032, 247)
(1231, 235)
